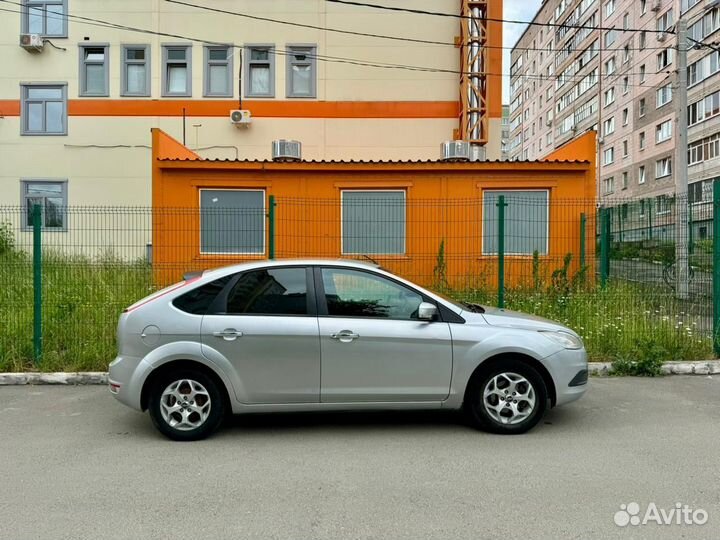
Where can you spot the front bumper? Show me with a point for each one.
(566, 368)
(120, 381)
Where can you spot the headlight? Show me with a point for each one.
(564, 339)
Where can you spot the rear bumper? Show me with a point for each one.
(120, 381)
(568, 369)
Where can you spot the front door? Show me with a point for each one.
(268, 330)
(373, 346)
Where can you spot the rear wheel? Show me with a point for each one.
(508, 398)
(186, 405)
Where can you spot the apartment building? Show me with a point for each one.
(566, 81)
(83, 82)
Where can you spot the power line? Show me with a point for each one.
(365, 34)
(323, 58)
(490, 19)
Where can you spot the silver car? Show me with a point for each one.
(318, 335)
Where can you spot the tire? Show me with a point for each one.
(492, 413)
(186, 405)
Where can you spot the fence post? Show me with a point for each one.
(690, 229)
(604, 246)
(501, 250)
(271, 228)
(583, 220)
(716, 267)
(37, 282)
(650, 225)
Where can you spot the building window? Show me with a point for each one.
(626, 116)
(45, 17)
(643, 7)
(608, 185)
(704, 149)
(625, 149)
(665, 21)
(609, 126)
(641, 140)
(260, 71)
(610, 37)
(663, 204)
(232, 221)
(610, 66)
(218, 71)
(373, 222)
(44, 109)
(609, 156)
(643, 39)
(641, 111)
(177, 70)
(135, 76)
(664, 59)
(664, 95)
(51, 195)
(641, 174)
(526, 222)
(626, 54)
(94, 69)
(609, 8)
(663, 168)
(625, 180)
(301, 71)
(642, 73)
(663, 132)
(609, 96)
(707, 107)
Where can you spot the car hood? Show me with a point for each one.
(515, 319)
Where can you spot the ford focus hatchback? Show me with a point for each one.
(314, 335)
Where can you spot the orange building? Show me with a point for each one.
(436, 222)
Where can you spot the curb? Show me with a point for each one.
(74, 378)
(707, 367)
(597, 369)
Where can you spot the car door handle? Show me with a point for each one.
(346, 336)
(229, 334)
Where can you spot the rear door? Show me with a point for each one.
(265, 324)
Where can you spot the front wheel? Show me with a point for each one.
(186, 405)
(508, 398)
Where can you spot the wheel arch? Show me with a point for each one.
(179, 364)
(498, 359)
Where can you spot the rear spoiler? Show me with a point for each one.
(193, 275)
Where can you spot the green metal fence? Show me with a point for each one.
(609, 271)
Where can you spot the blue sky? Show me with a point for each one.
(522, 10)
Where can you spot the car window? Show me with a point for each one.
(274, 291)
(199, 299)
(352, 293)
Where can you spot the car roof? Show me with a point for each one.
(264, 263)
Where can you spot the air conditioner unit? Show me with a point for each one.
(455, 151)
(284, 150)
(662, 37)
(32, 42)
(241, 118)
(656, 5)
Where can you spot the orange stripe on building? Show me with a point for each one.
(262, 109)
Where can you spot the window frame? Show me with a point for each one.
(544, 253)
(24, 183)
(249, 63)
(669, 169)
(292, 49)
(166, 47)
(230, 253)
(124, 62)
(83, 63)
(227, 63)
(24, 87)
(322, 308)
(342, 220)
(25, 18)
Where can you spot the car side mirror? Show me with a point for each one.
(427, 311)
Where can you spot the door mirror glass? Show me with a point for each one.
(427, 311)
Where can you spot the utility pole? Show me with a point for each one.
(682, 266)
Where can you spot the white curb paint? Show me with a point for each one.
(601, 369)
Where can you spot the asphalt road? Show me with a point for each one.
(77, 465)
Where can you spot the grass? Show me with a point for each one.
(82, 298)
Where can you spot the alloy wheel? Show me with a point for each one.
(509, 398)
(185, 405)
